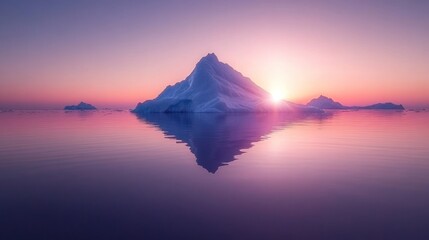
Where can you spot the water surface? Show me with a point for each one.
(116, 175)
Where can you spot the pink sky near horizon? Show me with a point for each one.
(118, 55)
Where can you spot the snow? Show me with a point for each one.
(214, 86)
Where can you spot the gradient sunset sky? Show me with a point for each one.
(117, 53)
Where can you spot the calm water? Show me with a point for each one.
(115, 175)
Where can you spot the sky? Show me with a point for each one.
(118, 53)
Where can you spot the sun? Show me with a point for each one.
(276, 96)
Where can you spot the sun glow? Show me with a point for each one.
(276, 96)
(276, 71)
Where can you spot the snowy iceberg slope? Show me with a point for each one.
(216, 87)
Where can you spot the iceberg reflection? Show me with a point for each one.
(217, 138)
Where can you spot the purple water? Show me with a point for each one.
(115, 175)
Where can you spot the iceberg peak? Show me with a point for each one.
(210, 57)
(208, 63)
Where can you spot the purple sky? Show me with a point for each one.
(117, 53)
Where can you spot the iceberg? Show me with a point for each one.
(386, 106)
(323, 102)
(80, 106)
(214, 86)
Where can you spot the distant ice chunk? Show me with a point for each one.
(80, 106)
(387, 105)
(323, 102)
